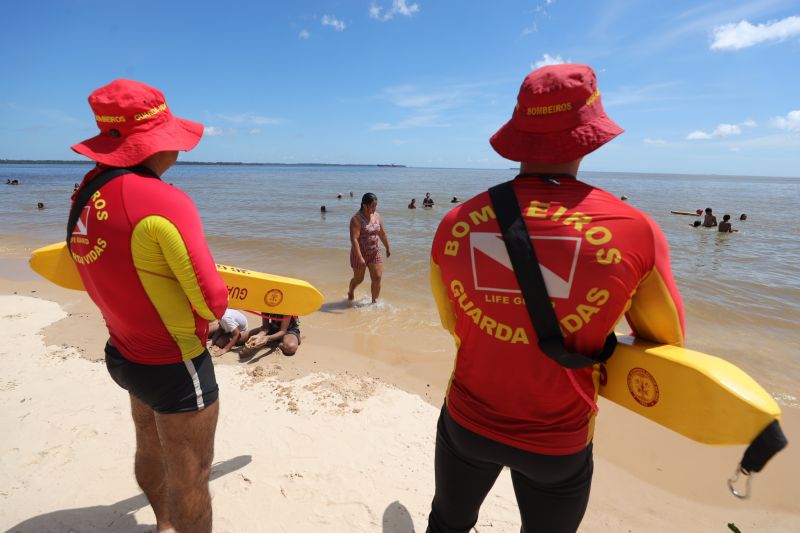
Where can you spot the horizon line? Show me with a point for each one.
(377, 165)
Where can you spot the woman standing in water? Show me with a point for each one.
(366, 228)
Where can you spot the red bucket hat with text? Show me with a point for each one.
(559, 117)
(135, 123)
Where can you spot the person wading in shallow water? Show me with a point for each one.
(143, 258)
(508, 402)
(366, 231)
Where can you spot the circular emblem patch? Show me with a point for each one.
(643, 387)
(273, 297)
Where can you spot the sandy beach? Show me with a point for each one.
(323, 441)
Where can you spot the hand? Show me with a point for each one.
(215, 351)
(256, 341)
(388, 252)
(362, 263)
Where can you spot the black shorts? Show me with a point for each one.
(294, 331)
(176, 388)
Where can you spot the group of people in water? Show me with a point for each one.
(710, 221)
(427, 202)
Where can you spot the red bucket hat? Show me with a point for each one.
(135, 123)
(559, 117)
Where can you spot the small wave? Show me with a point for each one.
(365, 305)
(787, 400)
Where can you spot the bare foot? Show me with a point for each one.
(351, 296)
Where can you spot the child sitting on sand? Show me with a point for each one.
(281, 329)
(227, 332)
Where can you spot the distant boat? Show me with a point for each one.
(392, 166)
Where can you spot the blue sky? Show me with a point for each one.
(700, 87)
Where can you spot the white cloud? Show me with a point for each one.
(744, 34)
(431, 108)
(416, 121)
(648, 140)
(695, 135)
(723, 130)
(657, 92)
(539, 11)
(790, 122)
(547, 59)
(304, 35)
(337, 24)
(726, 130)
(255, 131)
(213, 131)
(250, 118)
(399, 7)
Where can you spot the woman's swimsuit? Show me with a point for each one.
(368, 242)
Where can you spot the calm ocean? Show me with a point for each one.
(741, 290)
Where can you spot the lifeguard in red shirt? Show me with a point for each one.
(140, 250)
(509, 404)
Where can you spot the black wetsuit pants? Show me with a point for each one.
(552, 490)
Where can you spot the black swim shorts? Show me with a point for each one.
(175, 388)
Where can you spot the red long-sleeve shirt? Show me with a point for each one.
(141, 253)
(600, 257)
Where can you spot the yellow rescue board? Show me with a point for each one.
(699, 396)
(247, 289)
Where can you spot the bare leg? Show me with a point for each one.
(149, 464)
(187, 444)
(358, 277)
(289, 344)
(375, 274)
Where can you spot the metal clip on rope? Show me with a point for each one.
(732, 483)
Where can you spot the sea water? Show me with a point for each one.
(741, 291)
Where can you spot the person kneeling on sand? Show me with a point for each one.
(280, 330)
(227, 332)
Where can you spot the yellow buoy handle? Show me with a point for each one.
(770, 441)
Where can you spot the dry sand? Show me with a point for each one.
(326, 440)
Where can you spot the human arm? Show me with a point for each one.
(162, 248)
(233, 338)
(355, 233)
(384, 238)
(656, 309)
(262, 338)
(447, 314)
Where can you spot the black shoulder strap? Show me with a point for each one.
(86, 192)
(531, 282)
